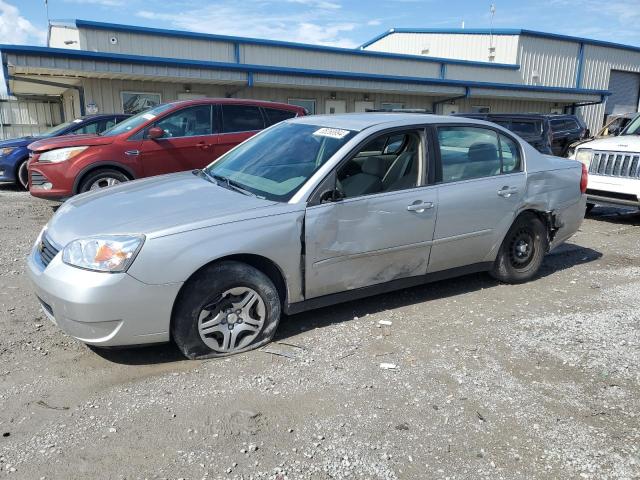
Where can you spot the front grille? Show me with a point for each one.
(47, 250)
(38, 179)
(615, 164)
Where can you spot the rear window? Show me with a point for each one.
(241, 118)
(275, 115)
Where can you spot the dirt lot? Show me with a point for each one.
(492, 381)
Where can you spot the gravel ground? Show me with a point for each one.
(490, 381)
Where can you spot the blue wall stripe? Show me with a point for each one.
(580, 67)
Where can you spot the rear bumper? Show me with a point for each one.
(102, 309)
(568, 219)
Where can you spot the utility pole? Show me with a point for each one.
(46, 6)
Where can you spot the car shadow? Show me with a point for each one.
(623, 216)
(564, 257)
(11, 187)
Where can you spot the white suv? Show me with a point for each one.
(614, 167)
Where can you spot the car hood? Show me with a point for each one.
(621, 143)
(17, 142)
(155, 206)
(69, 141)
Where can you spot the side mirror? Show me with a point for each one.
(155, 132)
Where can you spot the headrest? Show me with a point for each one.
(374, 166)
(483, 152)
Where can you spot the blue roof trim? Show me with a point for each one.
(248, 68)
(505, 31)
(279, 43)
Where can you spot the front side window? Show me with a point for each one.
(473, 152)
(188, 122)
(385, 164)
(633, 128)
(241, 118)
(277, 162)
(558, 125)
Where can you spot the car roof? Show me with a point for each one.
(101, 115)
(361, 121)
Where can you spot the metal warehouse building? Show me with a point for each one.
(97, 67)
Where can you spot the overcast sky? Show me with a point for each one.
(327, 22)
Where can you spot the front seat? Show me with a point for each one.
(402, 174)
(369, 180)
(483, 161)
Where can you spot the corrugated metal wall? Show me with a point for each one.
(106, 95)
(459, 46)
(19, 118)
(553, 62)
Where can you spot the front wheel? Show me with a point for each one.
(102, 178)
(22, 175)
(522, 250)
(226, 308)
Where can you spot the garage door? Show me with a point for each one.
(624, 88)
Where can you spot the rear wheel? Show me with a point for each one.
(22, 175)
(227, 308)
(102, 178)
(522, 250)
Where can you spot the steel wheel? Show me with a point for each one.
(23, 175)
(521, 248)
(233, 320)
(103, 183)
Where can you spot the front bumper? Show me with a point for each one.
(102, 309)
(609, 190)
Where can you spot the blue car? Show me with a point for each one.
(14, 152)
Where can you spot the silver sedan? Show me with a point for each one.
(310, 212)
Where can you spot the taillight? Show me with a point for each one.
(584, 179)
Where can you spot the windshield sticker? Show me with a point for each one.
(77, 120)
(331, 133)
(148, 116)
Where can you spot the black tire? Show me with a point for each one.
(101, 174)
(204, 293)
(22, 175)
(522, 250)
(589, 208)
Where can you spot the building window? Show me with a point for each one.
(307, 103)
(391, 106)
(136, 102)
(480, 109)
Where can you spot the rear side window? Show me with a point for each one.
(241, 118)
(275, 115)
(474, 152)
(526, 128)
(89, 128)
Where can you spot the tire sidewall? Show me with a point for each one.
(22, 164)
(203, 288)
(503, 269)
(97, 174)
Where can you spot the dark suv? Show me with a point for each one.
(550, 134)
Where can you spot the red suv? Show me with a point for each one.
(168, 138)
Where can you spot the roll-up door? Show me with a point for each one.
(625, 89)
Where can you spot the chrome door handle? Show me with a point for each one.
(419, 207)
(132, 153)
(506, 192)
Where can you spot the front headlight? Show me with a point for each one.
(60, 154)
(584, 155)
(6, 151)
(108, 253)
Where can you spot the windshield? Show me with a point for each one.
(277, 162)
(633, 128)
(53, 131)
(134, 122)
